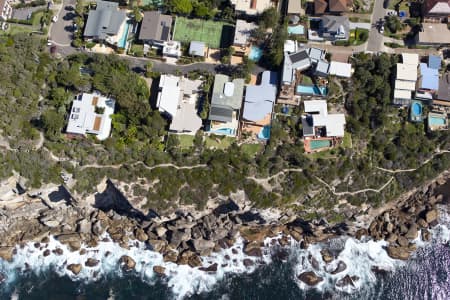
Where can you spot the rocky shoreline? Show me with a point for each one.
(185, 238)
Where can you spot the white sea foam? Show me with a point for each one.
(358, 256)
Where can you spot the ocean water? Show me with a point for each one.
(424, 276)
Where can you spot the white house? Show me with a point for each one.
(251, 7)
(317, 117)
(177, 99)
(91, 114)
(406, 78)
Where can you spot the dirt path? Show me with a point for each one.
(145, 166)
(333, 190)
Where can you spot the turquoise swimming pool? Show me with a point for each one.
(436, 121)
(264, 134)
(225, 131)
(318, 144)
(298, 29)
(312, 90)
(255, 53)
(123, 39)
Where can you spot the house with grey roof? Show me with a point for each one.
(106, 23)
(258, 105)
(334, 27)
(292, 64)
(226, 104)
(243, 32)
(197, 48)
(155, 27)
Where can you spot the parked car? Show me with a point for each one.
(382, 29)
(55, 19)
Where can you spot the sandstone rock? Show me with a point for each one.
(82, 251)
(46, 252)
(6, 253)
(402, 241)
(210, 269)
(160, 231)
(58, 251)
(310, 278)
(296, 235)
(398, 252)
(252, 250)
(360, 233)
(97, 228)
(201, 245)
(74, 268)
(159, 270)
(392, 238)
(326, 256)
(74, 246)
(195, 261)
(170, 256)
(426, 236)
(283, 241)
(422, 223)
(127, 263)
(389, 227)
(45, 240)
(254, 234)
(84, 226)
(140, 235)
(158, 245)
(66, 238)
(431, 216)
(340, 268)
(347, 280)
(178, 236)
(91, 262)
(412, 232)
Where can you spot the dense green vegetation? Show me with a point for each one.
(37, 91)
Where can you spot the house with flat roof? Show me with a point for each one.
(243, 32)
(406, 78)
(258, 106)
(334, 27)
(5, 9)
(436, 10)
(91, 114)
(293, 64)
(155, 28)
(171, 49)
(433, 34)
(251, 7)
(197, 48)
(434, 62)
(428, 79)
(177, 99)
(321, 130)
(340, 69)
(226, 104)
(106, 23)
(295, 7)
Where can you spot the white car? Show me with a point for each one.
(382, 29)
(55, 19)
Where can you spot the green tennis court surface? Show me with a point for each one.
(214, 34)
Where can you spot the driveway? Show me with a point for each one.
(61, 31)
(375, 43)
(360, 25)
(22, 13)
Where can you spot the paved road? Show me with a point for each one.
(375, 43)
(61, 31)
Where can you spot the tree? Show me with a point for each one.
(137, 14)
(363, 35)
(52, 122)
(393, 23)
(59, 97)
(183, 7)
(270, 18)
(201, 10)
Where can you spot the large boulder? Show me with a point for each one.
(412, 232)
(326, 256)
(84, 227)
(161, 271)
(160, 231)
(347, 280)
(140, 235)
(431, 216)
(66, 238)
(341, 266)
(402, 253)
(402, 241)
(97, 228)
(127, 263)
(178, 236)
(170, 256)
(6, 253)
(202, 245)
(310, 278)
(158, 245)
(210, 269)
(74, 268)
(91, 262)
(252, 249)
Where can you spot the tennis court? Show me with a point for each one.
(214, 34)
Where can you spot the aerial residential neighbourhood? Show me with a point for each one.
(200, 130)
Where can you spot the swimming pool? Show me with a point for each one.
(264, 134)
(317, 144)
(436, 121)
(312, 90)
(298, 29)
(225, 131)
(123, 39)
(255, 53)
(416, 108)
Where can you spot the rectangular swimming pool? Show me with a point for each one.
(255, 53)
(123, 39)
(298, 29)
(318, 144)
(436, 121)
(312, 90)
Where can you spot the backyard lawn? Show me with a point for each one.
(186, 141)
(214, 34)
(251, 149)
(218, 142)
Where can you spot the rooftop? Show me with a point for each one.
(410, 59)
(406, 72)
(434, 33)
(339, 5)
(259, 99)
(91, 113)
(197, 48)
(340, 69)
(444, 87)
(434, 62)
(334, 123)
(105, 20)
(226, 96)
(243, 32)
(294, 7)
(155, 26)
(429, 78)
(251, 7)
